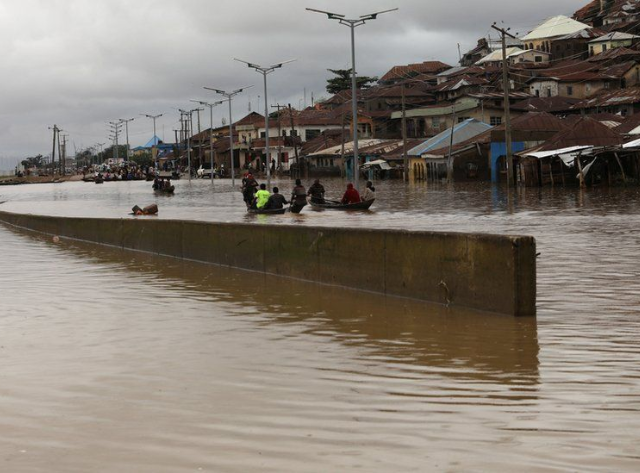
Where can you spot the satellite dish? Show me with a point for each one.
(224, 121)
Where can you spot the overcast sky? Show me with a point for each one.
(82, 63)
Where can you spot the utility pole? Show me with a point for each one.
(187, 131)
(63, 155)
(126, 127)
(53, 151)
(294, 141)
(449, 157)
(154, 147)
(98, 156)
(115, 128)
(405, 158)
(280, 137)
(507, 112)
(353, 24)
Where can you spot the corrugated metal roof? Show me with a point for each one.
(557, 26)
(585, 132)
(614, 36)
(461, 132)
(497, 55)
(348, 147)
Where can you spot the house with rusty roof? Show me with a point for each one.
(583, 79)
(586, 152)
(609, 12)
(574, 45)
(410, 71)
(625, 102)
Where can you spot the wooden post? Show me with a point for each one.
(579, 165)
(624, 177)
(405, 159)
(449, 158)
(294, 142)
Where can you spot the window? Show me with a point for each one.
(495, 121)
(569, 90)
(538, 59)
(435, 122)
(607, 85)
(548, 91)
(263, 134)
(604, 47)
(461, 119)
(591, 50)
(311, 134)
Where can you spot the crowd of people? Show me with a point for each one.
(257, 196)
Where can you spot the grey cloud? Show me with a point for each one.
(80, 64)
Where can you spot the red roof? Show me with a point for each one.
(535, 121)
(584, 132)
(410, 70)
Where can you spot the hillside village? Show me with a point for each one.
(574, 97)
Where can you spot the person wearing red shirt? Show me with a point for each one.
(351, 196)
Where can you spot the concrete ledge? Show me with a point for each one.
(485, 272)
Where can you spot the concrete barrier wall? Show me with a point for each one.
(485, 272)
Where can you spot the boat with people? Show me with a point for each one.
(337, 205)
(163, 186)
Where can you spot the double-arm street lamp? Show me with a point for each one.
(155, 141)
(265, 70)
(210, 105)
(229, 96)
(353, 24)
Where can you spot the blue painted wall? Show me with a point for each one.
(500, 149)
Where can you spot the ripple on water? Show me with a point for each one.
(117, 361)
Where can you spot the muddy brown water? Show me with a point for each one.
(117, 361)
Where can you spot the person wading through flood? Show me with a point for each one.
(276, 200)
(316, 191)
(249, 187)
(298, 197)
(261, 197)
(351, 196)
(369, 192)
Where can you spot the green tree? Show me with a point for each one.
(342, 81)
(33, 162)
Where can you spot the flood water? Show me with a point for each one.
(117, 361)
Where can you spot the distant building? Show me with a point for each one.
(611, 41)
(543, 35)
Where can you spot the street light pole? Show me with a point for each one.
(154, 147)
(126, 127)
(265, 70)
(210, 105)
(98, 157)
(353, 24)
(229, 96)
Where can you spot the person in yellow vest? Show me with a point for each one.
(262, 197)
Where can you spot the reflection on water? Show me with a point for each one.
(122, 362)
